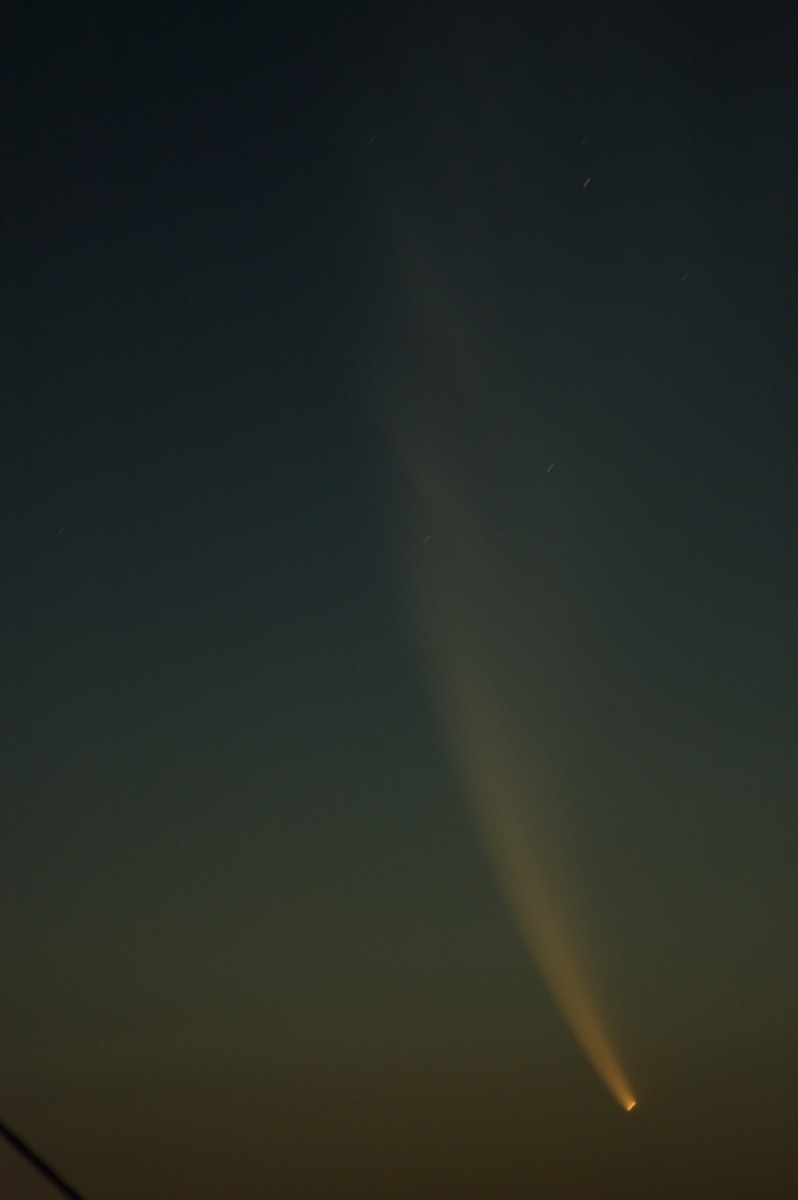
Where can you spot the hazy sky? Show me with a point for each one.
(399, 585)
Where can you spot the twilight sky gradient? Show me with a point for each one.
(395, 404)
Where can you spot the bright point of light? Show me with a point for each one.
(630, 1105)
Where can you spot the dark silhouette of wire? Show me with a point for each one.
(38, 1162)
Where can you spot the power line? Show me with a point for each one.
(38, 1162)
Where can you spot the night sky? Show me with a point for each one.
(399, 445)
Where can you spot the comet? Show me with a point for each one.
(510, 784)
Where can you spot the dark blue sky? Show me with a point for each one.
(259, 260)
